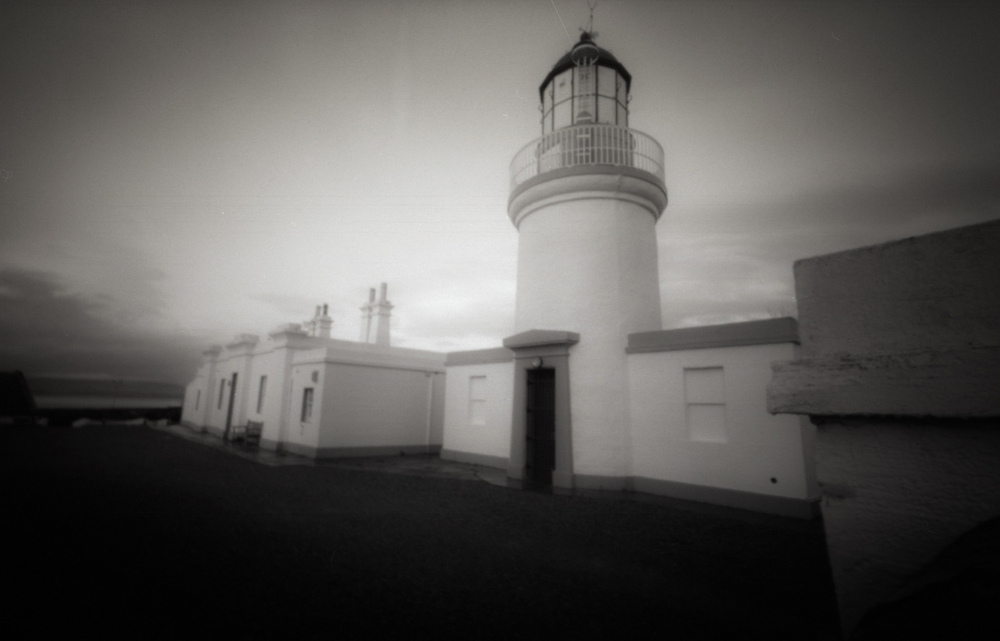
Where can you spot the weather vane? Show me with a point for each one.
(590, 22)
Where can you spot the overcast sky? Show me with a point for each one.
(173, 173)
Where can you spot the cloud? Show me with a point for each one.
(726, 263)
(47, 329)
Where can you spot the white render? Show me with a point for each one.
(472, 440)
(587, 263)
(757, 447)
(367, 398)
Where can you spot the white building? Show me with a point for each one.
(589, 392)
(319, 396)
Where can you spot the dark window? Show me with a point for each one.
(307, 404)
(260, 393)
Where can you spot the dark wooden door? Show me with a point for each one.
(227, 433)
(540, 448)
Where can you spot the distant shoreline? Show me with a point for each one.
(104, 402)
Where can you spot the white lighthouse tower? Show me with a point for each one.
(585, 198)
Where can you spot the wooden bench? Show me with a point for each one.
(253, 432)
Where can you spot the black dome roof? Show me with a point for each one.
(604, 58)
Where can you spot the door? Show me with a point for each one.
(540, 426)
(229, 412)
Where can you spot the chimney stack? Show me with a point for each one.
(382, 311)
(366, 317)
(323, 322)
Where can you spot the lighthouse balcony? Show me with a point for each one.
(584, 148)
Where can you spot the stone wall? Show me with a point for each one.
(899, 370)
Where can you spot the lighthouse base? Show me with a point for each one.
(541, 449)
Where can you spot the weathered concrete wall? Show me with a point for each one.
(895, 494)
(900, 370)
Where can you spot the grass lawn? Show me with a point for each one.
(131, 532)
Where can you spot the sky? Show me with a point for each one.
(173, 173)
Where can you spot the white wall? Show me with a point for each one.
(366, 406)
(757, 447)
(304, 434)
(233, 359)
(273, 362)
(588, 264)
(196, 397)
(492, 438)
(437, 409)
(365, 397)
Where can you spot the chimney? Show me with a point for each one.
(366, 317)
(382, 311)
(323, 323)
(310, 326)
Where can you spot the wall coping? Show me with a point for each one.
(479, 357)
(761, 332)
(946, 384)
(541, 338)
(391, 358)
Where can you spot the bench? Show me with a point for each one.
(253, 432)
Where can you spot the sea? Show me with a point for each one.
(56, 392)
(104, 402)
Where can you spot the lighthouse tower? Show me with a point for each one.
(585, 199)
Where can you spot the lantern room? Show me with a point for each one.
(588, 85)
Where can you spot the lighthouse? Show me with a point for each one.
(585, 198)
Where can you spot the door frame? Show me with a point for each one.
(548, 349)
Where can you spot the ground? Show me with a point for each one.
(129, 530)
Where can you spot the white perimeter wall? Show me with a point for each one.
(461, 434)
(758, 446)
(365, 406)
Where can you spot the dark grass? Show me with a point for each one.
(131, 532)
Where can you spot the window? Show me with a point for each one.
(260, 393)
(584, 95)
(607, 81)
(222, 390)
(606, 110)
(197, 400)
(705, 400)
(477, 400)
(307, 404)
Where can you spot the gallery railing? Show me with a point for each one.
(587, 145)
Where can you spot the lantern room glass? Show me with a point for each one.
(583, 95)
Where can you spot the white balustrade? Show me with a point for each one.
(587, 145)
